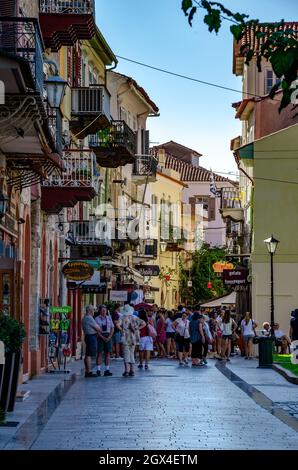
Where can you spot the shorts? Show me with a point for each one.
(170, 335)
(103, 347)
(117, 337)
(227, 337)
(91, 345)
(129, 353)
(146, 343)
(183, 344)
(247, 338)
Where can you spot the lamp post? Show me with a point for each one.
(163, 246)
(56, 87)
(271, 245)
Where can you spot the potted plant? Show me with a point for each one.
(13, 334)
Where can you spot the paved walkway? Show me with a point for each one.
(165, 408)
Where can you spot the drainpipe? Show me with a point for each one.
(110, 69)
(237, 160)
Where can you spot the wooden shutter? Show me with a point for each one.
(77, 66)
(69, 66)
(145, 142)
(8, 7)
(211, 208)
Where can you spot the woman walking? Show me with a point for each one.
(161, 335)
(197, 339)
(181, 326)
(228, 326)
(248, 332)
(170, 335)
(146, 340)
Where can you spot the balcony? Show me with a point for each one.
(87, 240)
(114, 146)
(21, 49)
(231, 204)
(144, 169)
(90, 110)
(64, 22)
(146, 250)
(79, 182)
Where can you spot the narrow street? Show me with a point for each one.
(166, 408)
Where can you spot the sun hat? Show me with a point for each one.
(127, 310)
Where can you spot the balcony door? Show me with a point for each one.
(6, 292)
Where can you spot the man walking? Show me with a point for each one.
(90, 329)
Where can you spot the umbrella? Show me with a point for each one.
(144, 306)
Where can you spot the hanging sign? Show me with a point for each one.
(235, 277)
(118, 295)
(95, 264)
(77, 271)
(148, 270)
(65, 309)
(220, 266)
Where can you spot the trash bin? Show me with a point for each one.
(265, 352)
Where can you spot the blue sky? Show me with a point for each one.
(157, 33)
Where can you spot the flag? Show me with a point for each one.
(213, 188)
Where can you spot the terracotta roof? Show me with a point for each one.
(251, 40)
(178, 150)
(189, 172)
(140, 89)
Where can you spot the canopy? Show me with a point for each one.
(143, 305)
(226, 300)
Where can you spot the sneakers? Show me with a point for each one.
(125, 374)
(140, 366)
(131, 374)
(181, 363)
(205, 361)
(98, 373)
(89, 375)
(146, 367)
(107, 373)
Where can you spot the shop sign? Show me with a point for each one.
(148, 270)
(220, 266)
(118, 295)
(78, 271)
(65, 309)
(95, 264)
(235, 277)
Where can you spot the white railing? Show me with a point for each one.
(90, 100)
(230, 198)
(80, 171)
(79, 7)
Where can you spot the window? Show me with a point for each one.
(270, 80)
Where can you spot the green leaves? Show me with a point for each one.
(186, 5)
(283, 60)
(191, 15)
(238, 31)
(213, 21)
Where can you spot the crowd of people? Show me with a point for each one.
(133, 334)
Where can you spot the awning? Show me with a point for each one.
(137, 277)
(226, 300)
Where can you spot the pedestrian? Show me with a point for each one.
(161, 335)
(90, 329)
(104, 341)
(146, 340)
(117, 336)
(129, 325)
(181, 326)
(248, 332)
(170, 335)
(227, 327)
(197, 338)
(294, 326)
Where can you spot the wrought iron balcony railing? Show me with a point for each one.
(145, 165)
(21, 38)
(119, 134)
(92, 100)
(87, 232)
(80, 172)
(85, 7)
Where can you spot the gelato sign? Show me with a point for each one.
(235, 277)
(220, 266)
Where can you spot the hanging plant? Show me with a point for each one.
(166, 275)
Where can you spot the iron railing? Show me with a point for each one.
(85, 7)
(21, 38)
(119, 134)
(90, 100)
(230, 198)
(145, 165)
(80, 171)
(88, 232)
(55, 126)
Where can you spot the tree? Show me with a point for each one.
(279, 44)
(201, 273)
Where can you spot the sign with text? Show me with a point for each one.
(118, 295)
(148, 270)
(78, 271)
(235, 277)
(220, 266)
(65, 309)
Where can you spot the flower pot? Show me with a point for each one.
(7, 380)
(14, 381)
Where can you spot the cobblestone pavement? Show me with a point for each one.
(165, 408)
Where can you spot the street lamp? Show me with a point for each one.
(56, 87)
(271, 245)
(163, 246)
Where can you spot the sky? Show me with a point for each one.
(157, 33)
